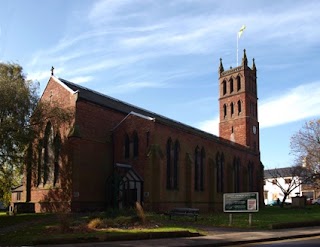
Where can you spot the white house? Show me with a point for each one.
(278, 180)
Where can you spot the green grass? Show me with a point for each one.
(41, 228)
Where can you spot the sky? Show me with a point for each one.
(163, 56)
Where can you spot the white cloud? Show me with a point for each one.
(134, 86)
(81, 79)
(39, 75)
(299, 103)
(210, 126)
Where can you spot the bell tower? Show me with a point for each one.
(238, 104)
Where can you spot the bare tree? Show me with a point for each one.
(305, 146)
(287, 179)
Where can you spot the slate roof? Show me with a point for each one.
(279, 172)
(118, 105)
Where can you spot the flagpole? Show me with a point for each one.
(237, 47)
(238, 37)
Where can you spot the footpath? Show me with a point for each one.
(213, 237)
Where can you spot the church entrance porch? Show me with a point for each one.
(124, 187)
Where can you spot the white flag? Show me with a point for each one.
(241, 30)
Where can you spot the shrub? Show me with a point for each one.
(96, 223)
(140, 213)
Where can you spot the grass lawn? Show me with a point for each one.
(40, 228)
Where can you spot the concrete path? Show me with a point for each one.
(214, 237)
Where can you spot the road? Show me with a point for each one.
(309, 242)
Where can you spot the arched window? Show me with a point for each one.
(169, 144)
(176, 164)
(250, 176)
(231, 85)
(173, 150)
(224, 87)
(196, 168)
(48, 154)
(224, 110)
(238, 83)
(236, 175)
(40, 162)
(126, 146)
(220, 177)
(57, 151)
(232, 108)
(135, 145)
(239, 106)
(202, 164)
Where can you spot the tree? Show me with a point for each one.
(305, 145)
(288, 179)
(18, 99)
(22, 115)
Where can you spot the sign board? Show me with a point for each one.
(246, 202)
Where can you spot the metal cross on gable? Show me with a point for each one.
(52, 71)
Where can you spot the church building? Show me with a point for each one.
(112, 154)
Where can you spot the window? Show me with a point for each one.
(231, 85)
(202, 163)
(135, 145)
(172, 164)
(126, 147)
(40, 155)
(196, 168)
(224, 110)
(148, 137)
(287, 180)
(238, 83)
(175, 164)
(239, 106)
(224, 87)
(232, 108)
(169, 144)
(250, 176)
(18, 196)
(219, 176)
(57, 150)
(236, 174)
(199, 169)
(48, 154)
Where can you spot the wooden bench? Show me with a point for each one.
(192, 212)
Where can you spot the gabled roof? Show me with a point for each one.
(18, 188)
(115, 104)
(279, 172)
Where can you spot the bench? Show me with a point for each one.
(192, 212)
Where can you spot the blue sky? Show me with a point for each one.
(164, 55)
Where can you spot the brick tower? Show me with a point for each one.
(238, 104)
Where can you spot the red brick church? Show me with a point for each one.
(113, 154)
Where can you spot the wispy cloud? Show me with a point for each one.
(119, 33)
(134, 86)
(81, 79)
(299, 103)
